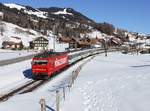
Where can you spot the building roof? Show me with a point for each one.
(40, 37)
(14, 40)
(10, 43)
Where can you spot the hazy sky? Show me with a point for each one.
(133, 15)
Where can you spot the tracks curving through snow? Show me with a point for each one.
(27, 87)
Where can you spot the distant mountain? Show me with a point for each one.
(68, 14)
(61, 21)
(46, 18)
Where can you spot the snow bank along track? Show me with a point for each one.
(34, 84)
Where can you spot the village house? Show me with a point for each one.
(39, 43)
(75, 43)
(12, 43)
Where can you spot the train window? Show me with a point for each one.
(40, 62)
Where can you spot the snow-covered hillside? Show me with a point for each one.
(14, 33)
(36, 12)
(10, 31)
(12, 5)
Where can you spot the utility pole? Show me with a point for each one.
(54, 32)
(106, 46)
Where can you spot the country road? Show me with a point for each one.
(15, 60)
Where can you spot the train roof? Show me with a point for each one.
(47, 54)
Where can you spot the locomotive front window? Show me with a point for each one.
(40, 62)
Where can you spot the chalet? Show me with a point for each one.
(71, 40)
(81, 42)
(39, 43)
(12, 43)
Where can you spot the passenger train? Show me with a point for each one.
(46, 64)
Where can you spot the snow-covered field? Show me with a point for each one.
(14, 74)
(10, 54)
(114, 83)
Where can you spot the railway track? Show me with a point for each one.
(28, 87)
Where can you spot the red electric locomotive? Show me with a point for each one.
(46, 64)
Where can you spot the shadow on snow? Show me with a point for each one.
(48, 107)
(141, 66)
(28, 73)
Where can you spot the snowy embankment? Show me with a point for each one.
(114, 83)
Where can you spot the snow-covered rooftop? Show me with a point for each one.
(14, 39)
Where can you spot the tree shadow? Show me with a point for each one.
(48, 107)
(27, 73)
